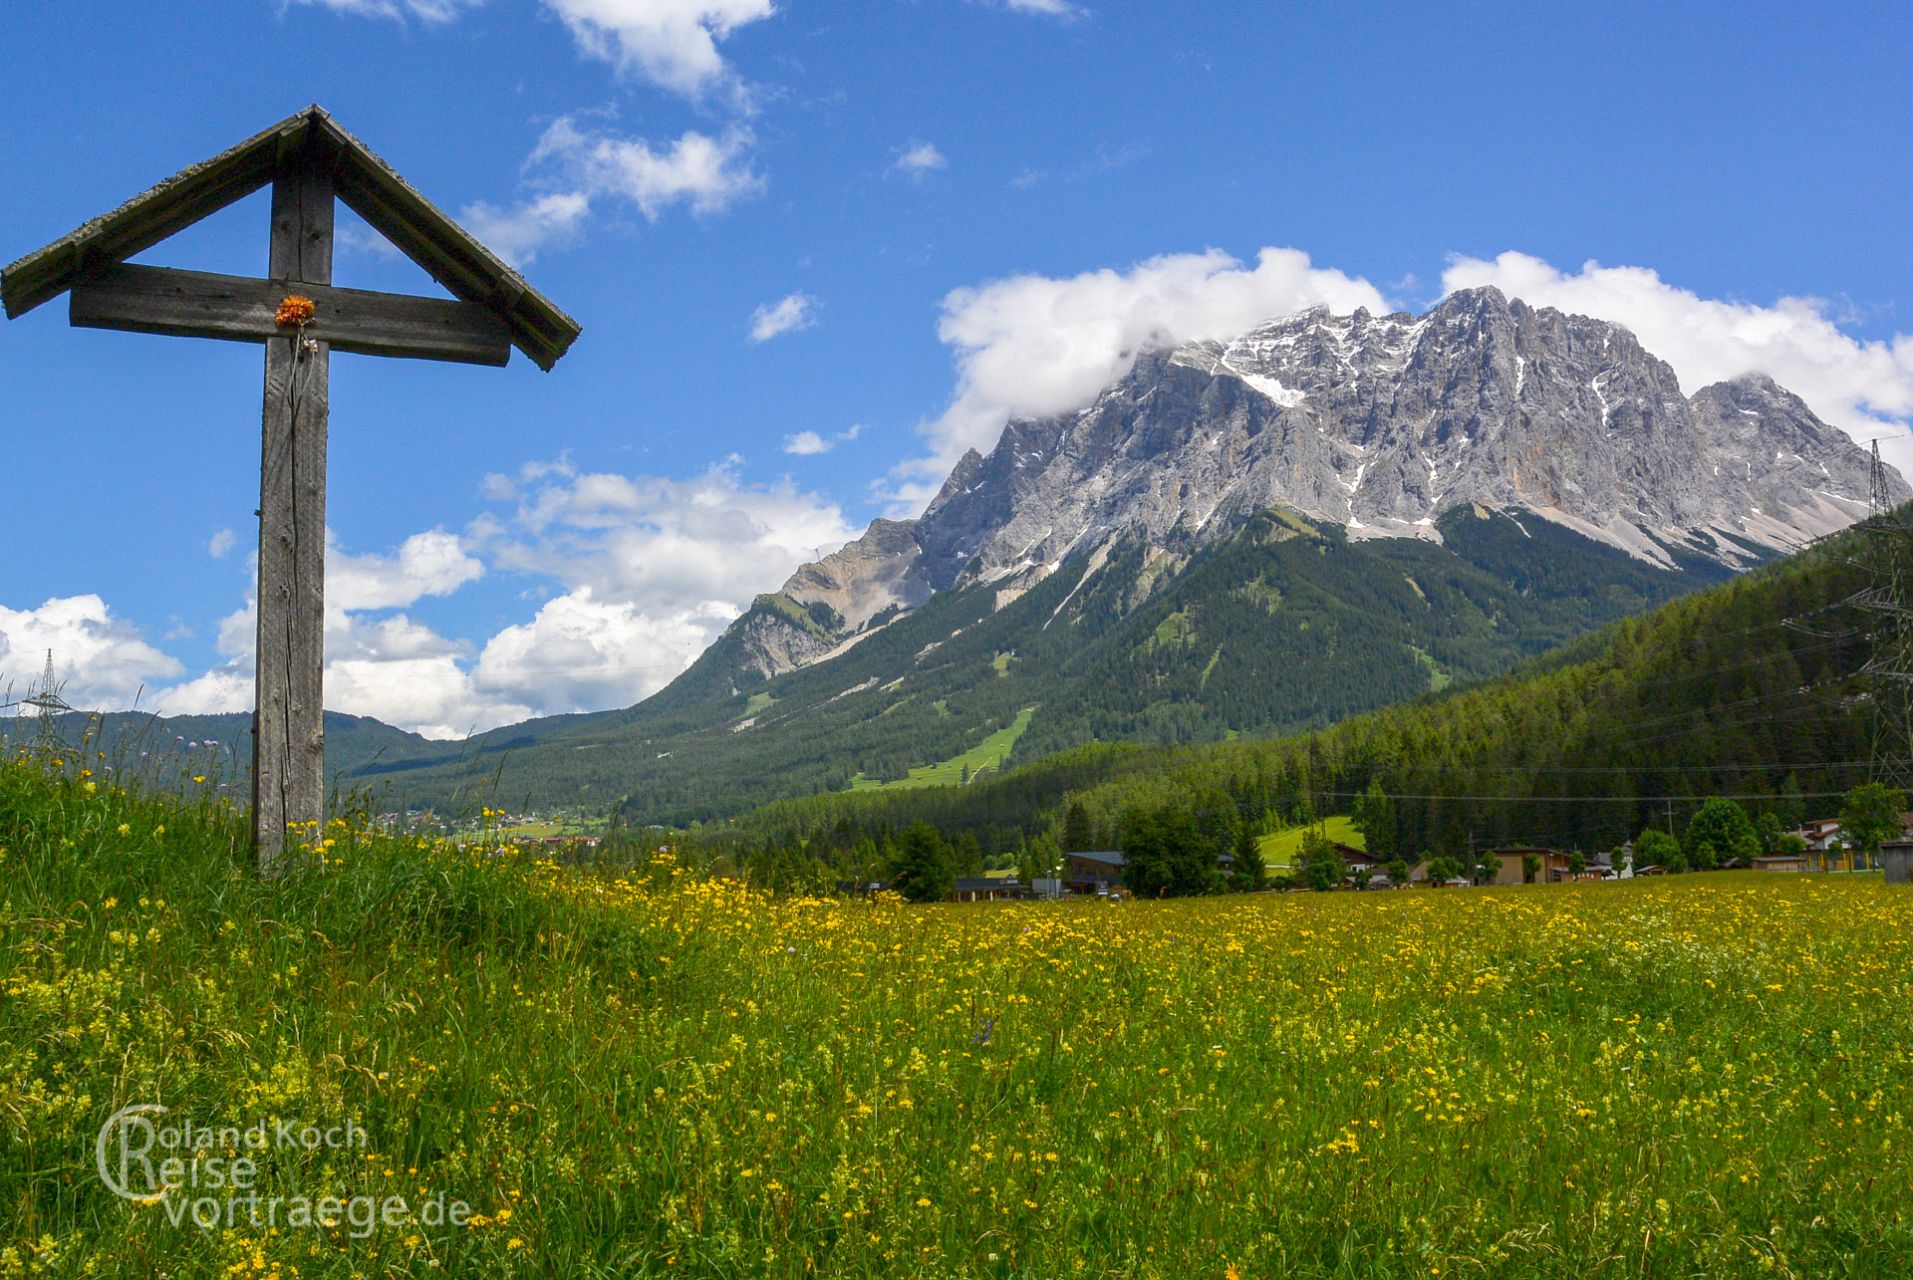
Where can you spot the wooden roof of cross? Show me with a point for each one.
(496, 306)
(296, 314)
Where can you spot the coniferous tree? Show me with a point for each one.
(1077, 837)
(1250, 868)
(1319, 862)
(923, 871)
(1375, 819)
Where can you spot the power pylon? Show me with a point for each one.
(46, 703)
(1889, 601)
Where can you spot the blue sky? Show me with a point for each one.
(819, 248)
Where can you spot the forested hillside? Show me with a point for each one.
(1287, 625)
(162, 749)
(1749, 689)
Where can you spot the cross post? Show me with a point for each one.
(309, 161)
(288, 745)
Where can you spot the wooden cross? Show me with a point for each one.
(309, 161)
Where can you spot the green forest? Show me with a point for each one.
(1751, 690)
(1286, 626)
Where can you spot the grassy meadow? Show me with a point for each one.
(990, 753)
(1282, 848)
(659, 1074)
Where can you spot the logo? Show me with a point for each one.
(124, 1149)
(210, 1174)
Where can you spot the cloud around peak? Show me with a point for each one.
(1032, 346)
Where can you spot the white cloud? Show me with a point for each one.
(217, 692)
(1865, 388)
(402, 672)
(709, 174)
(1030, 346)
(390, 667)
(1046, 8)
(671, 43)
(104, 661)
(667, 544)
(423, 10)
(393, 668)
(222, 544)
(809, 443)
(580, 653)
(580, 167)
(518, 233)
(653, 568)
(426, 564)
(917, 159)
(793, 312)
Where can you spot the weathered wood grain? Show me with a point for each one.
(199, 304)
(288, 771)
(146, 219)
(469, 270)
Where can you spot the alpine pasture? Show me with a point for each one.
(655, 1072)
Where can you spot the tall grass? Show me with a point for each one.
(655, 1073)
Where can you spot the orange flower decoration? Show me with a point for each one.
(296, 310)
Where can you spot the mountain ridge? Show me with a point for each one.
(1318, 518)
(1355, 420)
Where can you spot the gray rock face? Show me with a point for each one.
(1380, 424)
(772, 644)
(867, 576)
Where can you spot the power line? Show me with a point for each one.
(1890, 601)
(1623, 768)
(1751, 795)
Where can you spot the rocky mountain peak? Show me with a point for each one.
(1379, 424)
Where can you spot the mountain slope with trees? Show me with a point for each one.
(1751, 690)
(1286, 625)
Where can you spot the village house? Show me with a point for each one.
(988, 888)
(1552, 865)
(1100, 873)
(1511, 865)
(1355, 861)
(1820, 835)
(1095, 872)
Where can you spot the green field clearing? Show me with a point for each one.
(989, 753)
(1279, 849)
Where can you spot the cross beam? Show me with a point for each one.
(311, 162)
(198, 304)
